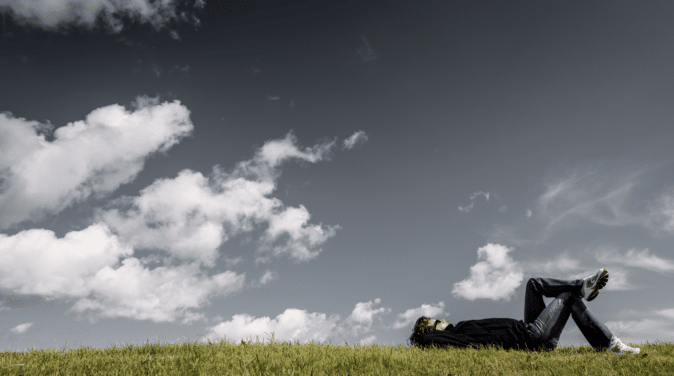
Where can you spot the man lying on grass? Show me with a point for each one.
(541, 327)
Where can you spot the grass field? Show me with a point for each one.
(284, 358)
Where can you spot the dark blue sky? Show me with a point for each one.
(399, 160)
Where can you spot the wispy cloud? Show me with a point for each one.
(273, 97)
(636, 259)
(356, 138)
(594, 195)
(49, 14)
(469, 207)
(602, 198)
(495, 276)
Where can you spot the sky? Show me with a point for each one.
(329, 171)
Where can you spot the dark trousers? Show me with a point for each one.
(545, 324)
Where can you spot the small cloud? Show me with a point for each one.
(411, 315)
(292, 102)
(273, 98)
(365, 52)
(356, 138)
(174, 35)
(19, 329)
(528, 213)
(268, 277)
(495, 277)
(503, 209)
(469, 207)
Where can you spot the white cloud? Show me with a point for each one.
(190, 216)
(299, 325)
(368, 340)
(87, 158)
(82, 265)
(360, 320)
(528, 213)
(186, 218)
(354, 139)
(36, 261)
(410, 316)
(469, 207)
(49, 14)
(22, 328)
(495, 277)
(636, 259)
(268, 277)
(273, 97)
(291, 325)
(160, 295)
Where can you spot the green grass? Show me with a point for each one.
(284, 358)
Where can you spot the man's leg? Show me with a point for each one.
(547, 327)
(546, 323)
(596, 333)
(549, 287)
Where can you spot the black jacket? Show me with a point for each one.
(508, 333)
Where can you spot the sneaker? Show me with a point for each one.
(592, 284)
(618, 347)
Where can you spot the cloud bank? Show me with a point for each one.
(299, 325)
(181, 221)
(90, 157)
(495, 277)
